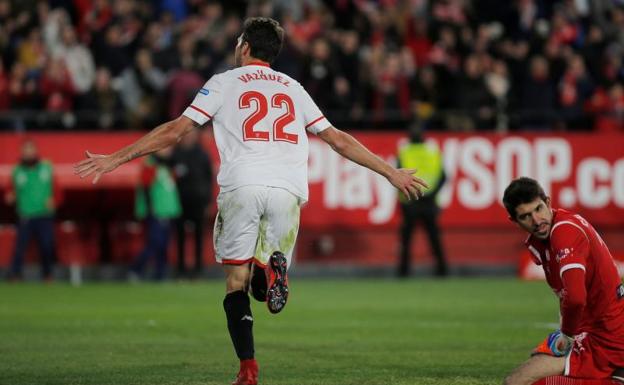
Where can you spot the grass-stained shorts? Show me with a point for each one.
(254, 221)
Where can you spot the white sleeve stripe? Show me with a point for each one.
(568, 223)
(571, 266)
(566, 368)
(534, 251)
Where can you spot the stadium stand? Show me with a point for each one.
(455, 64)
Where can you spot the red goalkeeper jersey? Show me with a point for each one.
(593, 284)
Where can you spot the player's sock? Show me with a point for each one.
(240, 323)
(561, 380)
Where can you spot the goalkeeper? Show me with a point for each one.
(589, 347)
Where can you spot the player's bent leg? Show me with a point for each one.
(535, 368)
(277, 282)
(258, 282)
(278, 237)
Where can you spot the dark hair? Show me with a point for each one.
(520, 191)
(264, 36)
(416, 132)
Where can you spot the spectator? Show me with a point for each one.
(476, 106)
(391, 79)
(5, 12)
(185, 81)
(96, 17)
(183, 86)
(499, 85)
(593, 49)
(52, 24)
(78, 60)
(161, 46)
(5, 101)
(418, 40)
(612, 70)
(141, 85)
(110, 50)
(157, 203)
(101, 107)
(445, 59)
(177, 8)
(23, 90)
(194, 177)
(57, 87)
(426, 98)
(31, 53)
(33, 192)
(349, 59)
(574, 88)
(608, 106)
(319, 72)
(537, 103)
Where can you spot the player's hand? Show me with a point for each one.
(556, 344)
(410, 185)
(561, 344)
(95, 164)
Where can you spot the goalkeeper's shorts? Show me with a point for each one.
(589, 357)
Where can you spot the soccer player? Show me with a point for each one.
(589, 347)
(260, 118)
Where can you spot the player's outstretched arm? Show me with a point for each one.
(347, 146)
(162, 136)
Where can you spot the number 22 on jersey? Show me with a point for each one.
(278, 100)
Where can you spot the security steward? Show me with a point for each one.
(427, 159)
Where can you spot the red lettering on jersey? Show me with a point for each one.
(261, 110)
(279, 100)
(260, 75)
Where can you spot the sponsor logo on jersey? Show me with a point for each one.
(560, 293)
(563, 253)
(620, 291)
(204, 91)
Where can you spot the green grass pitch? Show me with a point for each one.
(364, 332)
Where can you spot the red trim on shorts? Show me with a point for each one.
(314, 121)
(258, 263)
(236, 261)
(258, 63)
(201, 111)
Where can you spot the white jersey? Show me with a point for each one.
(260, 117)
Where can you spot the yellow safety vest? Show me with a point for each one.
(426, 159)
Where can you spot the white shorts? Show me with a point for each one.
(253, 222)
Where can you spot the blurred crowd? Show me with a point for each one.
(456, 65)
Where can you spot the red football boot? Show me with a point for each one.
(277, 282)
(248, 373)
